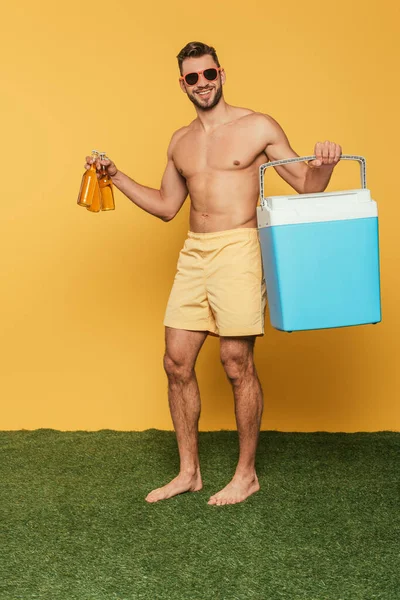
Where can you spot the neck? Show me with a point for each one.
(216, 116)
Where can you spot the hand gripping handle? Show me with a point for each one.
(285, 161)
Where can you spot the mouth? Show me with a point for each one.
(205, 93)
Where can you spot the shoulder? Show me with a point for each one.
(261, 120)
(260, 127)
(240, 115)
(267, 129)
(180, 133)
(271, 125)
(256, 121)
(176, 136)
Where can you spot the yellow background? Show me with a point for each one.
(83, 295)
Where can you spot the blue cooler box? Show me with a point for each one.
(320, 256)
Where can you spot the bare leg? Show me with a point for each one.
(182, 349)
(238, 360)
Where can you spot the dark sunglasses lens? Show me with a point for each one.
(210, 74)
(191, 78)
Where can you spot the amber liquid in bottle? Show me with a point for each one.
(89, 184)
(96, 201)
(106, 189)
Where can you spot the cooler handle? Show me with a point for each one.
(285, 161)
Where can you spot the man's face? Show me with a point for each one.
(204, 94)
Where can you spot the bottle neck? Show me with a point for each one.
(94, 158)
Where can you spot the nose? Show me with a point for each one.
(202, 81)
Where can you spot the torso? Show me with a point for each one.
(221, 169)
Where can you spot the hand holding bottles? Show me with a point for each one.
(99, 161)
(96, 191)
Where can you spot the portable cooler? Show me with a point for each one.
(320, 255)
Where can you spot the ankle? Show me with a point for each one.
(248, 473)
(190, 471)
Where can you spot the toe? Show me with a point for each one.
(154, 496)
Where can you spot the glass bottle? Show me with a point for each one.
(96, 199)
(89, 183)
(106, 188)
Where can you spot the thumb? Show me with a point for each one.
(316, 163)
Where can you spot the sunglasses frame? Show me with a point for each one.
(198, 73)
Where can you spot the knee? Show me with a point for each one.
(177, 369)
(237, 367)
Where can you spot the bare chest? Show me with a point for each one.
(229, 150)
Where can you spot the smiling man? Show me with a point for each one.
(219, 287)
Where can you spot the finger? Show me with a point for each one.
(332, 152)
(318, 151)
(89, 163)
(338, 152)
(325, 152)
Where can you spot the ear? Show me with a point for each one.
(182, 84)
(223, 76)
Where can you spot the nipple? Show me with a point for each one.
(236, 162)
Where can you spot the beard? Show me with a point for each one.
(217, 98)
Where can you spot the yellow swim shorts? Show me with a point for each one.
(219, 285)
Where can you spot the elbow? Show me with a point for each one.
(167, 218)
(166, 209)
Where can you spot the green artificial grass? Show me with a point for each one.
(325, 524)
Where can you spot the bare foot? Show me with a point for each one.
(236, 491)
(181, 483)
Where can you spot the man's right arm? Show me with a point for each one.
(164, 203)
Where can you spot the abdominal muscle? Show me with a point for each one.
(223, 200)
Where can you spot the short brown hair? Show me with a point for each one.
(195, 50)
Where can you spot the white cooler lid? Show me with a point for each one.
(310, 208)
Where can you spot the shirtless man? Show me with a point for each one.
(219, 288)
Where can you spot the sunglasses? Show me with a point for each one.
(209, 74)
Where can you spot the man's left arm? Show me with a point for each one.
(305, 178)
